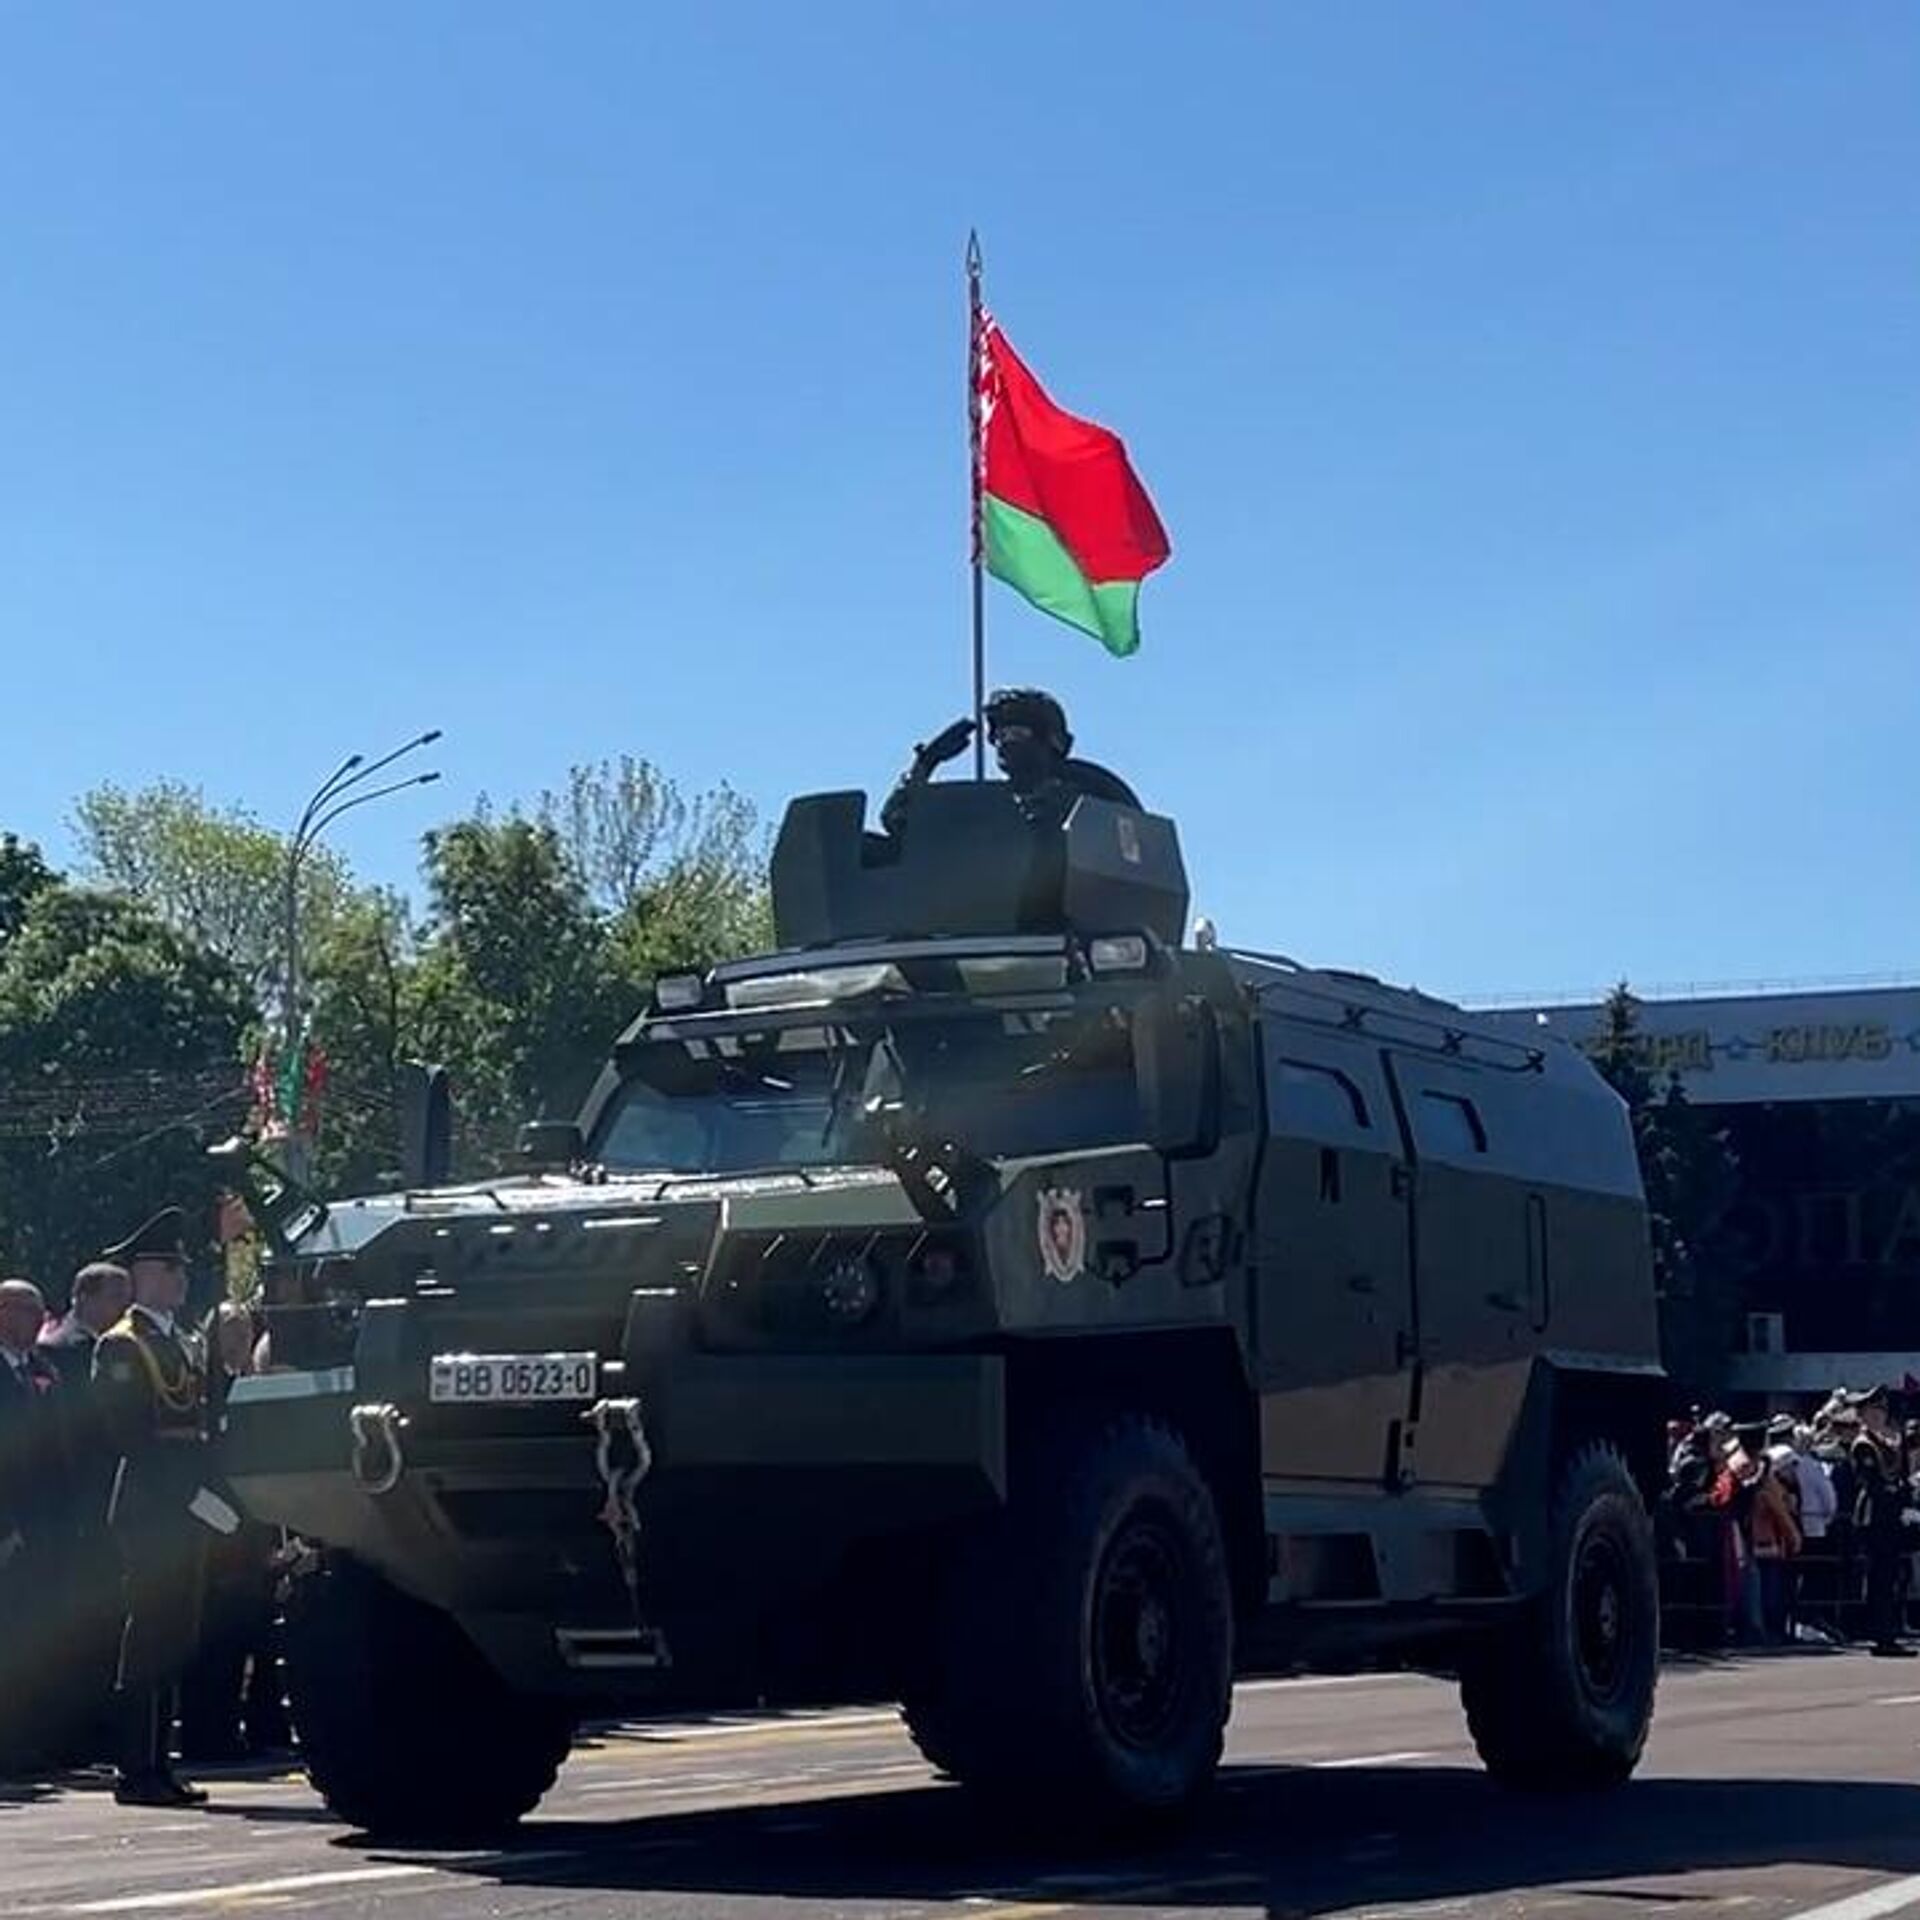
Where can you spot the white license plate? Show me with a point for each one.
(497, 1378)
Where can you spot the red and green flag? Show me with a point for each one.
(1061, 515)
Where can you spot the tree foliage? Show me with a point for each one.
(1692, 1180)
(514, 990)
(361, 998)
(544, 935)
(131, 1009)
(214, 874)
(678, 878)
(120, 1057)
(22, 875)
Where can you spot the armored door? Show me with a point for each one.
(1478, 1265)
(1333, 1297)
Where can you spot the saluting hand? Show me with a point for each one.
(945, 745)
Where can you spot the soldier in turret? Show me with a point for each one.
(1033, 745)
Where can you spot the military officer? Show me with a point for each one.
(150, 1375)
(1032, 745)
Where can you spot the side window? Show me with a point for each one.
(1447, 1123)
(1317, 1101)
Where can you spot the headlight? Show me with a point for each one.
(937, 1272)
(850, 1290)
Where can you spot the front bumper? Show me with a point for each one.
(768, 1473)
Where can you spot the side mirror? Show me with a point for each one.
(548, 1146)
(426, 1126)
(1176, 1066)
(282, 1209)
(943, 1180)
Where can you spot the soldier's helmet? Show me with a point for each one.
(1029, 707)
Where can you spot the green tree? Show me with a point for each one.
(120, 1059)
(22, 875)
(1692, 1179)
(682, 880)
(363, 1000)
(514, 993)
(539, 940)
(214, 874)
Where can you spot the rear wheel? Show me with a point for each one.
(404, 1728)
(1083, 1654)
(1563, 1698)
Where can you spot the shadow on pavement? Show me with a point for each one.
(35, 1789)
(1295, 1841)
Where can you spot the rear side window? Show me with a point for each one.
(1317, 1100)
(1447, 1123)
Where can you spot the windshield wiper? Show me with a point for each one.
(836, 1087)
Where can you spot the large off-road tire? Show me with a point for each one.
(1082, 1657)
(1562, 1700)
(404, 1729)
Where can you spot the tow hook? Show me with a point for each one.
(378, 1460)
(623, 1458)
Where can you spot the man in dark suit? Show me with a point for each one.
(102, 1292)
(33, 1504)
(88, 1578)
(150, 1375)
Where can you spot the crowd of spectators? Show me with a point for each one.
(1791, 1529)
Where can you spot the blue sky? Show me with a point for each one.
(1532, 395)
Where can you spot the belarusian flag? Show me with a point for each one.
(1063, 517)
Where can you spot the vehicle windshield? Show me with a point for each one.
(1003, 1083)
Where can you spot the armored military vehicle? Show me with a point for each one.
(988, 1303)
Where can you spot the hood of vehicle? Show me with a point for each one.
(530, 1208)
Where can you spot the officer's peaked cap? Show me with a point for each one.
(163, 1237)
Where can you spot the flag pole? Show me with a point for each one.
(976, 462)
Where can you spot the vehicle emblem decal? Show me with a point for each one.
(1128, 833)
(1062, 1234)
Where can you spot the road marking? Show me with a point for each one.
(247, 1890)
(625, 1746)
(1306, 1682)
(1105, 1890)
(1895, 1896)
(677, 1732)
(1899, 1700)
(1374, 1759)
(733, 1727)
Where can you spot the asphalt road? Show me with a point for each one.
(1773, 1787)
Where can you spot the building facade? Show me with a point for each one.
(1818, 1095)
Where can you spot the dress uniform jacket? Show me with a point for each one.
(151, 1383)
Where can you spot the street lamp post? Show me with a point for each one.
(343, 790)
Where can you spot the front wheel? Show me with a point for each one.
(404, 1729)
(1085, 1648)
(1563, 1698)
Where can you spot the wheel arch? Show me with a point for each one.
(1193, 1379)
(1573, 1402)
